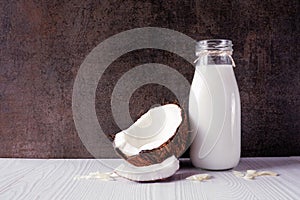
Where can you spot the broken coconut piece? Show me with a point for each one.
(107, 176)
(251, 171)
(149, 173)
(158, 134)
(251, 174)
(199, 177)
(238, 174)
(267, 173)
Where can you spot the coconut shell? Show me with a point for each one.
(176, 146)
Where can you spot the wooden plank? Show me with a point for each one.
(54, 179)
(13, 170)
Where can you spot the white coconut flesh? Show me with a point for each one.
(153, 172)
(150, 131)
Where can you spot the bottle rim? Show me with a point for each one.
(214, 44)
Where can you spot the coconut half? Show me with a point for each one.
(149, 173)
(157, 135)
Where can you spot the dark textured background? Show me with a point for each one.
(43, 43)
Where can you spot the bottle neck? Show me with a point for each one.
(214, 45)
(214, 52)
(215, 57)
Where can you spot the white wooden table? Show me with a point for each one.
(54, 179)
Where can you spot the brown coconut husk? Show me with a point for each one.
(176, 146)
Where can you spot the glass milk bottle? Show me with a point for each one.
(214, 107)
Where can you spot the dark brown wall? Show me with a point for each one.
(43, 43)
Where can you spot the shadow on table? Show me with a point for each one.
(267, 163)
(186, 170)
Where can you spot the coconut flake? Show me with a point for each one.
(107, 176)
(199, 177)
(251, 171)
(238, 174)
(251, 174)
(267, 173)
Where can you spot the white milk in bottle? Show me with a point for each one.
(214, 108)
